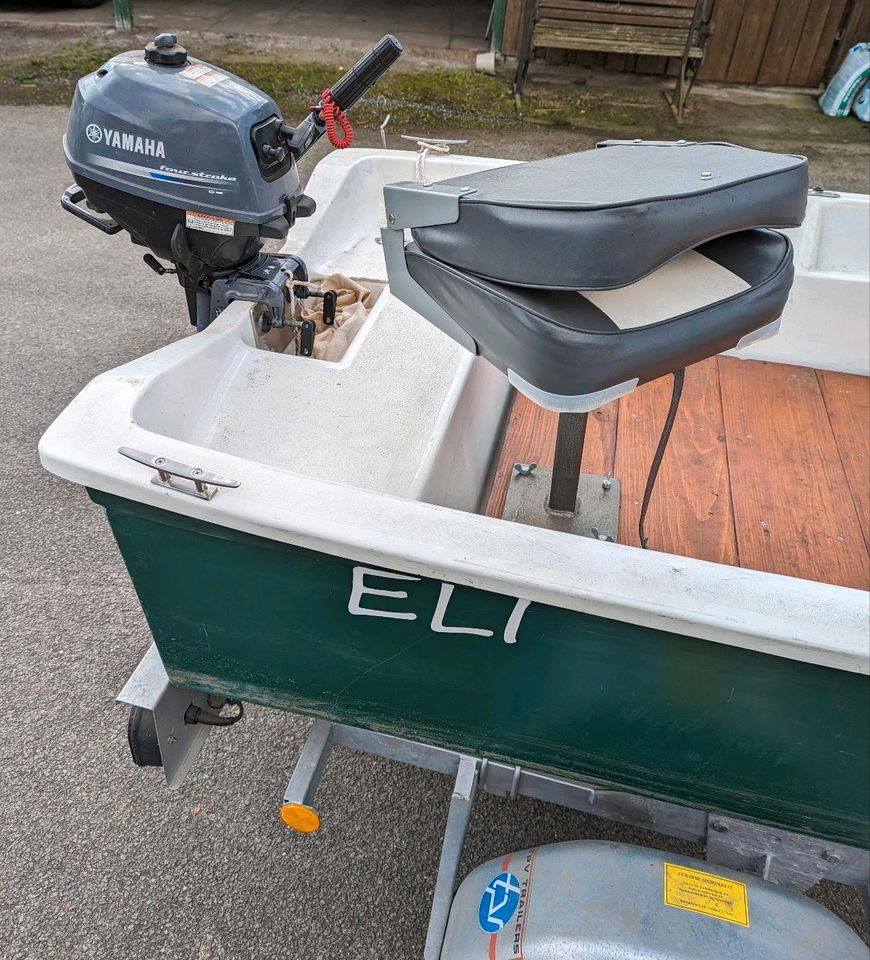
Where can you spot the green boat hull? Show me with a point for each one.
(708, 725)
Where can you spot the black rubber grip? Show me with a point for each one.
(366, 71)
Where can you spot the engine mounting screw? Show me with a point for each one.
(831, 856)
(719, 826)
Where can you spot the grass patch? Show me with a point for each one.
(67, 66)
(416, 101)
(443, 99)
(440, 96)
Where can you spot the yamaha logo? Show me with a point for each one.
(147, 146)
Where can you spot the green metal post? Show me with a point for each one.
(123, 10)
(498, 14)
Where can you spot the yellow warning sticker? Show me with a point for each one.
(706, 893)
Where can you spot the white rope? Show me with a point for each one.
(294, 308)
(425, 147)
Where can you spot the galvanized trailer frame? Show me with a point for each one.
(792, 860)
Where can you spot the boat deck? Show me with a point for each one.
(767, 466)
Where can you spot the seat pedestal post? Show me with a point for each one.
(570, 437)
(564, 499)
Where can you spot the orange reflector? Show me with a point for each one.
(300, 818)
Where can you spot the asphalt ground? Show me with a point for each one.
(97, 858)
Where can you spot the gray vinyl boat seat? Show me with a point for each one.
(571, 350)
(606, 217)
(577, 285)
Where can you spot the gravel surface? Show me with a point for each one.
(97, 858)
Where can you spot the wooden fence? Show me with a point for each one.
(796, 43)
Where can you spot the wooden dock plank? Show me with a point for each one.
(690, 512)
(793, 511)
(847, 398)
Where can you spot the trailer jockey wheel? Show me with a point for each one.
(142, 737)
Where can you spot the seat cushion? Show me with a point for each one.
(567, 344)
(605, 218)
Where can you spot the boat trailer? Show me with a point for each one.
(764, 865)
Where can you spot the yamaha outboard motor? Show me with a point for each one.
(199, 166)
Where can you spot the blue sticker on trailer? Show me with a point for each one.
(498, 903)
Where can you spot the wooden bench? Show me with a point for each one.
(659, 28)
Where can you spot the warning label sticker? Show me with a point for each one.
(212, 79)
(209, 224)
(194, 71)
(706, 893)
(204, 74)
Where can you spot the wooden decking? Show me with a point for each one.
(768, 466)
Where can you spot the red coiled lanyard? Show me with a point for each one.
(333, 115)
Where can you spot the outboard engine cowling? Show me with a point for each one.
(198, 166)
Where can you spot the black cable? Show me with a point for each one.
(195, 714)
(679, 377)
